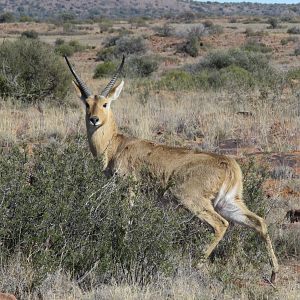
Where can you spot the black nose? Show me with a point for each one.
(94, 120)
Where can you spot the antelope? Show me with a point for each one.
(208, 185)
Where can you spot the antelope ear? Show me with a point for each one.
(115, 92)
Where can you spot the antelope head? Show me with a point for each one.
(97, 106)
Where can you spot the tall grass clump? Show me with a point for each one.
(31, 72)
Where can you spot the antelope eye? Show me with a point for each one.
(104, 105)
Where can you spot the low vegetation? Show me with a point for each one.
(60, 211)
(62, 48)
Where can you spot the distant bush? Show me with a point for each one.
(249, 60)
(274, 23)
(116, 46)
(293, 39)
(249, 32)
(253, 45)
(62, 48)
(191, 47)
(26, 19)
(293, 74)
(7, 17)
(142, 66)
(212, 28)
(31, 34)
(130, 45)
(59, 42)
(164, 31)
(105, 54)
(105, 69)
(177, 80)
(197, 32)
(31, 72)
(294, 30)
(297, 51)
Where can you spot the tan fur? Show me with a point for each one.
(207, 184)
(6, 296)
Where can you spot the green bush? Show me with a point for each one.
(58, 210)
(192, 46)
(31, 72)
(69, 48)
(59, 42)
(177, 80)
(105, 54)
(252, 45)
(249, 60)
(293, 74)
(274, 23)
(294, 30)
(116, 46)
(105, 69)
(129, 45)
(31, 34)
(297, 51)
(164, 31)
(64, 49)
(142, 66)
(7, 17)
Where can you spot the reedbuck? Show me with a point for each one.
(208, 185)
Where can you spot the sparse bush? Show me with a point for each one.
(212, 28)
(64, 49)
(292, 39)
(164, 31)
(191, 47)
(297, 51)
(253, 45)
(26, 19)
(116, 46)
(142, 66)
(249, 32)
(105, 54)
(250, 61)
(69, 48)
(216, 30)
(7, 17)
(294, 30)
(177, 80)
(31, 72)
(105, 69)
(59, 42)
(30, 34)
(130, 45)
(197, 32)
(274, 23)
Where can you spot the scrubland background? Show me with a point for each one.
(226, 85)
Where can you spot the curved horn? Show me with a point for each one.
(81, 85)
(112, 82)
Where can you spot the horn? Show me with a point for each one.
(112, 82)
(81, 85)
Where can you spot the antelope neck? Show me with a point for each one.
(102, 140)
